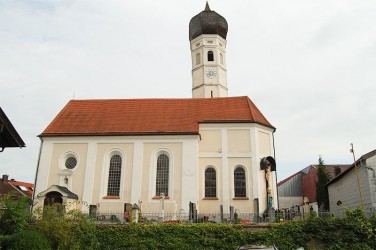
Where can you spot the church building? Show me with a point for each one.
(211, 150)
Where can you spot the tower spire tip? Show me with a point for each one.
(207, 8)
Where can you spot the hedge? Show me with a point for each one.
(74, 230)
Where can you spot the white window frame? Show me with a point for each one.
(105, 174)
(246, 180)
(216, 181)
(153, 173)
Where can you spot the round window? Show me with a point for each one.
(71, 162)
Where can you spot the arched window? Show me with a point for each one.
(114, 176)
(210, 183)
(198, 58)
(163, 168)
(239, 182)
(210, 56)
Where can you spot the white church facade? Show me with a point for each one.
(211, 150)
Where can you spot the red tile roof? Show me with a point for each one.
(7, 185)
(151, 116)
(28, 186)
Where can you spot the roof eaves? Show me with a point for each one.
(288, 178)
(11, 130)
(250, 105)
(119, 133)
(236, 121)
(362, 158)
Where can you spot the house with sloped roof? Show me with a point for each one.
(355, 187)
(297, 192)
(210, 150)
(19, 188)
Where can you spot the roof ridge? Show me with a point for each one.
(249, 102)
(156, 98)
(252, 107)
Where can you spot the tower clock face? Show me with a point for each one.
(211, 73)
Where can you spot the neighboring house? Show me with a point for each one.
(344, 192)
(298, 192)
(9, 137)
(20, 188)
(206, 150)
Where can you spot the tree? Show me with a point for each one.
(14, 213)
(322, 195)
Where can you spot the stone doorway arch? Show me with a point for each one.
(53, 198)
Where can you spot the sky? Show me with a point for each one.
(309, 66)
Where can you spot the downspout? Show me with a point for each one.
(276, 178)
(36, 173)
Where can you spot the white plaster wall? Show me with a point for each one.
(218, 84)
(43, 170)
(89, 174)
(222, 145)
(371, 169)
(227, 145)
(346, 191)
(290, 201)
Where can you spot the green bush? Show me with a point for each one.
(14, 215)
(170, 236)
(74, 230)
(4, 241)
(352, 232)
(66, 230)
(28, 239)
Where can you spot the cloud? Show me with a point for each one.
(308, 66)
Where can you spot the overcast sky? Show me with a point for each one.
(309, 66)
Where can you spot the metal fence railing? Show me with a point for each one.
(110, 217)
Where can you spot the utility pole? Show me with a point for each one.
(357, 176)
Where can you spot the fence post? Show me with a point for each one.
(135, 213)
(221, 208)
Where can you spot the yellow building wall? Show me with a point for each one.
(210, 205)
(58, 164)
(264, 143)
(149, 165)
(103, 150)
(245, 205)
(211, 141)
(238, 140)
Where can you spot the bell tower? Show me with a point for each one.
(207, 35)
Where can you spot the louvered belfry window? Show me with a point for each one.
(239, 182)
(210, 56)
(210, 183)
(114, 176)
(163, 166)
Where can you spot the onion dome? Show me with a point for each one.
(207, 22)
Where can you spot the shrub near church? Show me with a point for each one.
(74, 230)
